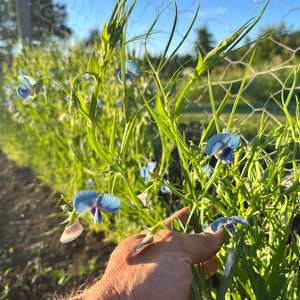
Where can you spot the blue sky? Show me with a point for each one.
(221, 17)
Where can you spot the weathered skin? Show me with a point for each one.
(160, 270)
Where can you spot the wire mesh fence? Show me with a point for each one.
(275, 40)
(266, 77)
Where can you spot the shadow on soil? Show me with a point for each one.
(33, 262)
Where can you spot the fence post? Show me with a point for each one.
(24, 22)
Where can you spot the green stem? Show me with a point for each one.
(58, 83)
(136, 201)
(97, 147)
(93, 105)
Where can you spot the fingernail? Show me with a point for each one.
(147, 240)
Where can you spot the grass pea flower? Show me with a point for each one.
(227, 222)
(288, 180)
(207, 170)
(228, 263)
(222, 145)
(131, 72)
(165, 190)
(26, 91)
(85, 77)
(149, 169)
(90, 200)
(71, 232)
(90, 182)
(62, 118)
(101, 102)
(144, 199)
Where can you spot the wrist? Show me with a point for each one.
(99, 291)
(102, 290)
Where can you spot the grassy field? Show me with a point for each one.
(69, 137)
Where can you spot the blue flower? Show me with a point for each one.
(62, 118)
(165, 189)
(52, 71)
(26, 91)
(227, 222)
(288, 180)
(131, 72)
(89, 200)
(221, 145)
(71, 232)
(90, 182)
(101, 102)
(145, 170)
(207, 170)
(144, 198)
(228, 263)
(85, 77)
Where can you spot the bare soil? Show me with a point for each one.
(33, 262)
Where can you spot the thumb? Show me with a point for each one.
(203, 246)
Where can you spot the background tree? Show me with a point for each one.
(205, 41)
(8, 28)
(93, 36)
(47, 20)
(276, 41)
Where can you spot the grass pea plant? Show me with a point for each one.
(116, 131)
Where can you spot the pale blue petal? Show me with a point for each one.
(151, 166)
(234, 140)
(90, 182)
(215, 225)
(132, 67)
(289, 178)
(216, 143)
(219, 141)
(85, 200)
(108, 203)
(228, 263)
(240, 220)
(101, 102)
(208, 170)
(27, 81)
(129, 79)
(144, 172)
(164, 189)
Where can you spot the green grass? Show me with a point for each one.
(111, 143)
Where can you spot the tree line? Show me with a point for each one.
(48, 21)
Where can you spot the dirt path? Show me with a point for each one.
(33, 263)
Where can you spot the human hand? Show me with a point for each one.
(161, 270)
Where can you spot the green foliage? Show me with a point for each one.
(70, 138)
(61, 276)
(47, 20)
(8, 32)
